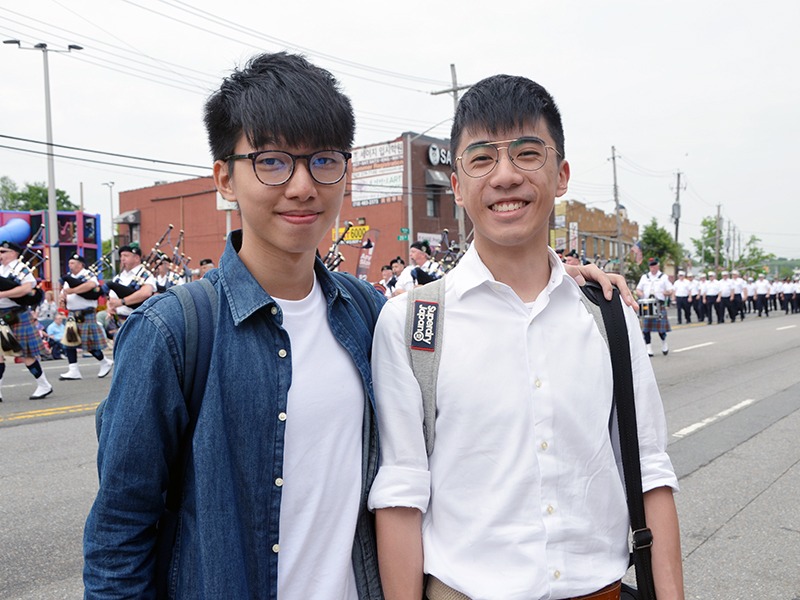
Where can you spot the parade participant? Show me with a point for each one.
(774, 290)
(405, 276)
(762, 289)
(751, 295)
(420, 255)
(83, 310)
(654, 284)
(726, 293)
(571, 258)
(205, 266)
(163, 282)
(683, 296)
(133, 274)
(18, 317)
(514, 502)
(387, 280)
(796, 295)
(712, 298)
(739, 295)
(698, 289)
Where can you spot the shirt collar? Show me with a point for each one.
(473, 273)
(245, 295)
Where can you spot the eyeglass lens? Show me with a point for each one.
(275, 168)
(529, 154)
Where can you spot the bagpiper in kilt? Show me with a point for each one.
(82, 310)
(19, 317)
(654, 284)
(658, 323)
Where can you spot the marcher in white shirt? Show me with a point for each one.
(683, 296)
(751, 295)
(712, 298)
(698, 287)
(655, 285)
(762, 294)
(521, 497)
(739, 295)
(420, 255)
(133, 275)
(726, 295)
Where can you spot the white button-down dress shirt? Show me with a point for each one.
(522, 496)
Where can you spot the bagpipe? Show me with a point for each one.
(448, 253)
(21, 269)
(123, 291)
(176, 267)
(94, 269)
(334, 258)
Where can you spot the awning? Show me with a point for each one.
(132, 217)
(433, 177)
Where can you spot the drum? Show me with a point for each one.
(648, 307)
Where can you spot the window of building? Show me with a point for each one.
(433, 202)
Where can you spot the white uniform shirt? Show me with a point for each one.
(405, 281)
(127, 278)
(738, 285)
(726, 287)
(5, 271)
(683, 287)
(695, 287)
(657, 285)
(762, 286)
(712, 290)
(76, 301)
(525, 495)
(751, 289)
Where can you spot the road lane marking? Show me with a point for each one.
(46, 412)
(787, 327)
(700, 424)
(692, 347)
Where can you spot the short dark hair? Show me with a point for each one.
(503, 102)
(279, 98)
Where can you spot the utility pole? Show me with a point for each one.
(620, 264)
(676, 208)
(462, 228)
(716, 241)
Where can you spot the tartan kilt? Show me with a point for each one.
(657, 324)
(92, 336)
(26, 334)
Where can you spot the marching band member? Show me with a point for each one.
(655, 284)
(420, 255)
(83, 310)
(19, 319)
(683, 296)
(712, 298)
(762, 294)
(133, 273)
(726, 294)
(739, 295)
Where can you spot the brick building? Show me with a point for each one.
(591, 232)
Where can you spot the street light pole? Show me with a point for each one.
(52, 206)
(110, 185)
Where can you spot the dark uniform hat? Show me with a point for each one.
(8, 245)
(206, 261)
(78, 257)
(132, 249)
(653, 261)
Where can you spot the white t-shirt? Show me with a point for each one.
(127, 278)
(322, 458)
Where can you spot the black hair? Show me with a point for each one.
(503, 102)
(279, 98)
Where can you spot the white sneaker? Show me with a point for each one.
(105, 367)
(649, 349)
(72, 373)
(664, 347)
(42, 389)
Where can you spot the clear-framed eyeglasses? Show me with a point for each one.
(527, 154)
(275, 167)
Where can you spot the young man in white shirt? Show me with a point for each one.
(521, 497)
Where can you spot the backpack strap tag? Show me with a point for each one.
(426, 315)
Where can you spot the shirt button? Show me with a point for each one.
(557, 574)
(281, 416)
(538, 383)
(550, 510)
(282, 353)
(274, 310)
(544, 445)
(279, 482)
(276, 547)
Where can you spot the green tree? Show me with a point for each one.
(752, 257)
(657, 242)
(33, 196)
(704, 246)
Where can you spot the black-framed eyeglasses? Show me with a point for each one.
(275, 167)
(526, 153)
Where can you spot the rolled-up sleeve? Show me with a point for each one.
(403, 478)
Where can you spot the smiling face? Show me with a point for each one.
(283, 221)
(510, 207)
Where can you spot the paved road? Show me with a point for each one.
(732, 398)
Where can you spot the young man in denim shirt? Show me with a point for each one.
(285, 447)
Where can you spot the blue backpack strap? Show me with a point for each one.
(199, 303)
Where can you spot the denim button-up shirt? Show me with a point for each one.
(230, 514)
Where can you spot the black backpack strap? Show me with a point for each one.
(617, 337)
(199, 303)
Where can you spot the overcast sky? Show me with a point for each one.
(709, 88)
